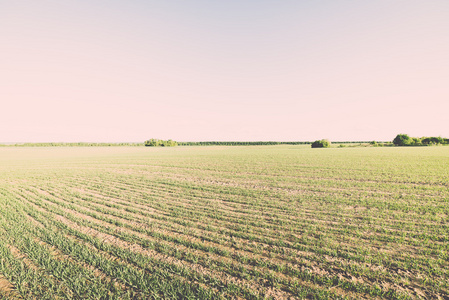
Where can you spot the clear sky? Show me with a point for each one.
(117, 71)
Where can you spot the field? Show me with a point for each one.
(282, 222)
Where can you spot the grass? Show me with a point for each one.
(221, 222)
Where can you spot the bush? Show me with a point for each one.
(321, 144)
(161, 143)
(169, 143)
(403, 140)
(416, 141)
(433, 140)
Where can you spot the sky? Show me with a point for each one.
(240, 70)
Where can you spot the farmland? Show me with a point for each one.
(213, 222)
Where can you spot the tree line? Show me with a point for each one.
(405, 140)
(79, 144)
(160, 143)
(399, 140)
(230, 143)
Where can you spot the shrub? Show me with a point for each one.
(433, 140)
(416, 141)
(152, 143)
(321, 144)
(169, 143)
(402, 140)
(161, 143)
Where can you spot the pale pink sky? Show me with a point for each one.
(112, 71)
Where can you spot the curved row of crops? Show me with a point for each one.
(220, 222)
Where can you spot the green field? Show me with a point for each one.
(211, 222)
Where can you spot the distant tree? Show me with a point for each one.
(426, 141)
(321, 144)
(437, 140)
(160, 143)
(433, 140)
(152, 143)
(416, 141)
(169, 143)
(402, 140)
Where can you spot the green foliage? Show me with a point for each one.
(405, 140)
(416, 141)
(260, 143)
(231, 143)
(155, 142)
(433, 140)
(321, 144)
(80, 144)
(160, 143)
(152, 143)
(402, 140)
(169, 143)
(380, 144)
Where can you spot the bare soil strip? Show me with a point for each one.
(7, 290)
